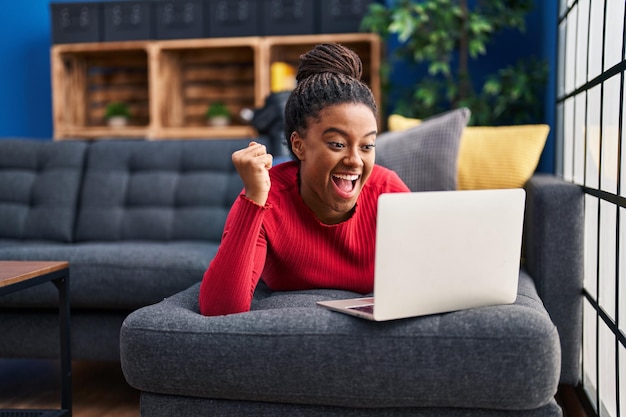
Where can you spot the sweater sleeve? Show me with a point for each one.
(229, 281)
(394, 184)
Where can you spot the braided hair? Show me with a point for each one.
(329, 74)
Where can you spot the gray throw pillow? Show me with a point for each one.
(425, 156)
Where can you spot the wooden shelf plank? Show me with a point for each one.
(208, 132)
(102, 132)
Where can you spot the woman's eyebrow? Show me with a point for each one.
(344, 133)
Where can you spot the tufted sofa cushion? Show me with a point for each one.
(119, 275)
(39, 188)
(174, 190)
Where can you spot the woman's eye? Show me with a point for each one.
(336, 145)
(369, 147)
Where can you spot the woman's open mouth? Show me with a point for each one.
(345, 184)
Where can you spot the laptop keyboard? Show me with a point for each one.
(366, 308)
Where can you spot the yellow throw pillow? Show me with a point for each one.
(396, 123)
(499, 156)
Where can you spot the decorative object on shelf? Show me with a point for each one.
(283, 77)
(176, 19)
(340, 16)
(269, 120)
(445, 37)
(289, 17)
(76, 22)
(124, 20)
(233, 18)
(117, 114)
(218, 114)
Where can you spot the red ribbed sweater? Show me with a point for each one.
(286, 245)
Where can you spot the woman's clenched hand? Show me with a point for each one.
(253, 164)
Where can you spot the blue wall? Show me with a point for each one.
(25, 80)
(548, 41)
(25, 92)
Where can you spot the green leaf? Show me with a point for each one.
(426, 95)
(476, 48)
(439, 68)
(492, 87)
(479, 26)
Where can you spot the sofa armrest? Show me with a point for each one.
(553, 256)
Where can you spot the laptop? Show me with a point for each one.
(442, 251)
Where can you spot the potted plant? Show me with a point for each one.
(117, 114)
(441, 38)
(218, 114)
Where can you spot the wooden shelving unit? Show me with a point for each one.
(170, 83)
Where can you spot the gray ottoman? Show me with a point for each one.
(290, 357)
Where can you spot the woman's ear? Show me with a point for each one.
(297, 145)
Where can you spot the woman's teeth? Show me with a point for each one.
(346, 177)
(345, 182)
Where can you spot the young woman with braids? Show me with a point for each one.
(311, 222)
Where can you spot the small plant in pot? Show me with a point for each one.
(117, 114)
(218, 114)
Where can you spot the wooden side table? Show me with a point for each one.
(19, 275)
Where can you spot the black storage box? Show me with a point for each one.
(75, 22)
(231, 18)
(127, 20)
(180, 19)
(341, 16)
(288, 17)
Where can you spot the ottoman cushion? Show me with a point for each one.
(287, 349)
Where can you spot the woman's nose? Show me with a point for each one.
(353, 158)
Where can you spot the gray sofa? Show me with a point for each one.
(137, 220)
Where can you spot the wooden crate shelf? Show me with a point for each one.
(86, 80)
(169, 84)
(194, 74)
